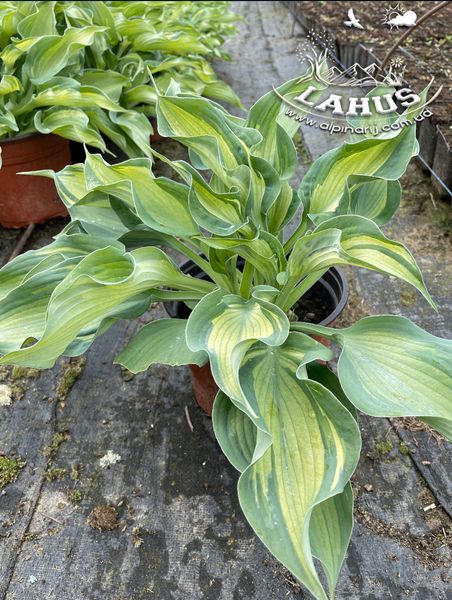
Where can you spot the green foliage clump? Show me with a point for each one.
(89, 70)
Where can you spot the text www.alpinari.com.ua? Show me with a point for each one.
(373, 130)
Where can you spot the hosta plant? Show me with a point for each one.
(283, 419)
(88, 70)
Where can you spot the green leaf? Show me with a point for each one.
(267, 115)
(40, 23)
(390, 367)
(65, 246)
(70, 123)
(314, 450)
(353, 240)
(203, 127)
(323, 186)
(105, 285)
(330, 531)
(9, 84)
(50, 54)
(74, 95)
(225, 326)
(162, 204)
(372, 197)
(264, 252)
(160, 342)
(235, 432)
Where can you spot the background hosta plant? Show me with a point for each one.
(88, 70)
(285, 421)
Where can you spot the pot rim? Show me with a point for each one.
(345, 291)
(328, 320)
(23, 136)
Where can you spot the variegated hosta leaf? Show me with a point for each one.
(70, 182)
(98, 216)
(373, 197)
(291, 491)
(203, 127)
(235, 432)
(92, 209)
(323, 374)
(390, 367)
(220, 213)
(145, 38)
(162, 204)
(283, 209)
(22, 319)
(70, 93)
(331, 522)
(225, 326)
(136, 127)
(444, 426)
(40, 23)
(34, 275)
(160, 342)
(65, 246)
(105, 285)
(70, 123)
(322, 187)
(268, 117)
(51, 53)
(330, 531)
(119, 135)
(9, 84)
(265, 190)
(109, 82)
(264, 252)
(353, 240)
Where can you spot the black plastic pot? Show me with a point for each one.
(332, 285)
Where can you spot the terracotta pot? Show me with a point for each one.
(155, 137)
(204, 387)
(333, 284)
(25, 199)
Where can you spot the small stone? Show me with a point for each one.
(110, 458)
(5, 395)
(368, 487)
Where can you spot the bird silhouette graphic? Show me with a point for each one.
(353, 21)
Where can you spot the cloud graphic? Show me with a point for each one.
(407, 19)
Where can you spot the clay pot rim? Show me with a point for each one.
(24, 136)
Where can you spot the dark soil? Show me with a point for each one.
(426, 51)
(314, 306)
